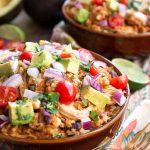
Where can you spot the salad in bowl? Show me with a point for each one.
(51, 91)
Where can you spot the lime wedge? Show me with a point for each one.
(137, 78)
(12, 32)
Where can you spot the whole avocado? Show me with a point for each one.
(44, 11)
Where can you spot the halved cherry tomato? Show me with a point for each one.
(94, 71)
(7, 94)
(2, 43)
(65, 55)
(85, 55)
(115, 21)
(98, 2)
(119, 82)
(125, 2)
(27, 55)
(67, 92)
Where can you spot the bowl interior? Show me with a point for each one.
(80, 137)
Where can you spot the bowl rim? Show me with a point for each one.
(77, 25)
(79, 137)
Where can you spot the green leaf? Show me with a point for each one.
(57, 135)
(84, 67)
(94, 115)
(51, 108)
(53, 97)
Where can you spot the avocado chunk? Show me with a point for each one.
(67, 48)
(8, 68)
(20, 112)
(9, 9)
(71, 65)
(97, 98)
(113, 5)
(31, 46)
(82, 15)
(41, 59)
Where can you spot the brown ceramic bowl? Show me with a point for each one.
(107, 43)
(86, 141)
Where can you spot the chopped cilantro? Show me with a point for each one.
(94, 115)
(84, 67)
(57, 135)
(85, 103)
(53, 97)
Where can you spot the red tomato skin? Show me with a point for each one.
(125, 2)
(7, 94)
(65, 55)
(97, 2)
(27, 55)
(115, 21)
(67, 92)
(94, 71)
(85, 55)
(2, 43)
(119, 82)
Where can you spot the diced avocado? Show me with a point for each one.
(97, 98)
(42, 59)
(6, 69)
(31, 46)
(113, 5)
(71, 65)
(82, 15)
(21, 112)
(67, 48)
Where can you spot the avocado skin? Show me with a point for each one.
(12, 14)
(44, 11)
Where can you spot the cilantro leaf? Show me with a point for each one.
(94, 115)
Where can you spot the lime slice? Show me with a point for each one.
(12, 32)
(137, 78)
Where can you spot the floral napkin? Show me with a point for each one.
(137, 116)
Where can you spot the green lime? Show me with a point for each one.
(137, 78)
(12, 32)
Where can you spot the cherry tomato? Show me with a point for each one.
(67, 92)
(7, 94)
(2, 43)
(27, 55)
(119, 82)
(125, 2)
(85, 55)
(94, 71)
(65, 55)
(115, 21)
(98, 2)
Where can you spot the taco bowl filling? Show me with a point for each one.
(50, 91)
(115, 16)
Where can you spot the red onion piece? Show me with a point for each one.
(76, 53)
(93, 83)
(78, 5)
(103, 23)
(119, 98)
(30, 94)
(86, 123)
(58, 66)
(33, 72)
(26, 62)
(97, 64)
(54, 73)
(122, 9)
(3, 120)
(13, 81)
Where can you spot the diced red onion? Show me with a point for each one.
(26, 62)
(33, 72)
(103, 23)
(97, 64)
(122, 9)
(86, 123)
(46, 113)
(14, 65)
(30, 94)
(119, 98)
(58, 66)
(92, 82)
(13, 81)
(3, 120)
(54, 73)
(76, 53)
(78, 5)
(113, 74)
